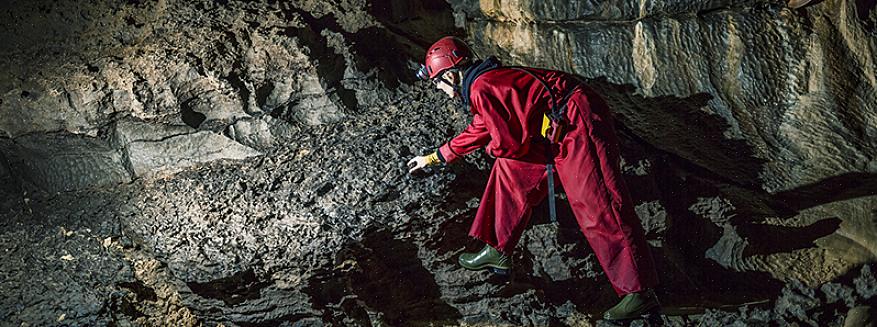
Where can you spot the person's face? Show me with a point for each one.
(446, 87)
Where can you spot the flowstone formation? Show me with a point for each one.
(176, 163)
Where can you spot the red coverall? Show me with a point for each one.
(508, 107)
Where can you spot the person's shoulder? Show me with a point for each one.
(492, 79)
(486, 85)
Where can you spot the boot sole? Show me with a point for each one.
(651, 317)
(504, 271)
(499, 271)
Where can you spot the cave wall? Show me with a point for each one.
(192, 82)
(125, 90)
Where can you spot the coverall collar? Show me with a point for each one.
(475, 70)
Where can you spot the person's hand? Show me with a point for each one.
(417, 163)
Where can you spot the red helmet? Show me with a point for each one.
(444, 54)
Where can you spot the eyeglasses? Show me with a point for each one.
(441, 79)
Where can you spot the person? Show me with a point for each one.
(532, 121)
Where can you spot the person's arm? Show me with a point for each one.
(475, 136)
(470, 139)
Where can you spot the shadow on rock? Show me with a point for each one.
(467, 189)
(832, 189)
(422, 22)
(232, 290)
(865, 12)
(763, 237)
(383, 280)
(701, 247)
(680, 126)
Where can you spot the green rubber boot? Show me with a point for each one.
(488, 258)
(633, 306)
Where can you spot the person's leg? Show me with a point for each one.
(589, 169)
(513, 189)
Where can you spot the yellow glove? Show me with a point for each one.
(421, 162)
(432, 159)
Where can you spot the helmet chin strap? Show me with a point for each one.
(456, 87)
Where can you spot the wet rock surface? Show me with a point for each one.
(242, 163)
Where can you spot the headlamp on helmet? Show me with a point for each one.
(423, 73)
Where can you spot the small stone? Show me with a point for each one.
(866, 283)
(861, 316)
(835, 292)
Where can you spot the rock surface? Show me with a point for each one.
(243, 163)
